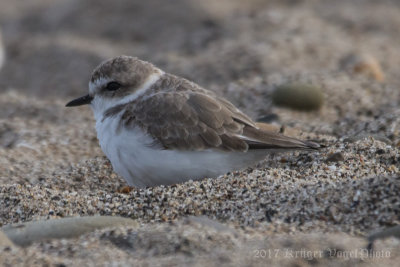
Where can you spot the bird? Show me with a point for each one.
(160, 129)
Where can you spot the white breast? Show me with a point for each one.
(125, 149)
(135, 157)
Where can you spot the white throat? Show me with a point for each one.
(100, 105)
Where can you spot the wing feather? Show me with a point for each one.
(185, 116)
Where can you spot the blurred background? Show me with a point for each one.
(52, 46)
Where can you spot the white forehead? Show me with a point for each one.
(98, 83)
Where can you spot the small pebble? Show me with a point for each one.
(298, 96)
(335, 157)
(23, 234)
(364, 64)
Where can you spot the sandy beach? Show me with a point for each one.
(297, 208)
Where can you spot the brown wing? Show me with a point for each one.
(261, 139)
(187, 119)
(190, 121)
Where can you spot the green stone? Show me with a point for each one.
(299, 96)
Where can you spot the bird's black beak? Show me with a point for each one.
(84, 100)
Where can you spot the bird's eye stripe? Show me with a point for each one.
(112, 86)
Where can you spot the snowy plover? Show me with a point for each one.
(157, 128)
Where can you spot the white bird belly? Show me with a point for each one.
(134, 156)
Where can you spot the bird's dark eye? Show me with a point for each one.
(113, 86)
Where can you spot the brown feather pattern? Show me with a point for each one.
(180, 115)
